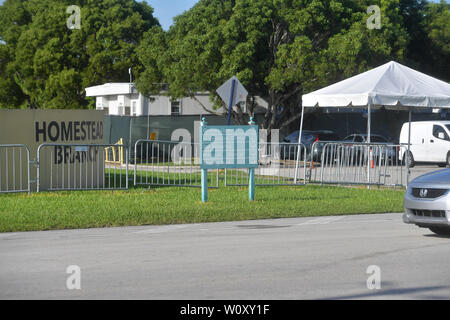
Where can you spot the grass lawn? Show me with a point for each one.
(159, 205)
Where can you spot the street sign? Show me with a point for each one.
(223, 147)
(232, 92)
(227, 147)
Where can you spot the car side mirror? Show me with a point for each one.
(441, 135)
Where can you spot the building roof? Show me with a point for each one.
(108, 89)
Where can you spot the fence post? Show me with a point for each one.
(128, 161)
(204, 171)
(251, 176)
(38, 168)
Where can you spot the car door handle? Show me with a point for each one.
(432, 141)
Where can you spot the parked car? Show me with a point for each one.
(362, 138)
(389, 152)
(430, 142)
(427, 202)
(308, 139)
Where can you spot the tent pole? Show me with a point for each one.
(369, 120)
(299, 147)
(369, 123)
(409, 147)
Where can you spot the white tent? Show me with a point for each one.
(391, 85)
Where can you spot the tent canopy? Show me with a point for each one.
(392, 85)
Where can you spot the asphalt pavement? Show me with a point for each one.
(340, 257)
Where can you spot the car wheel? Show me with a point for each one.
(442, 231)
(411, 159)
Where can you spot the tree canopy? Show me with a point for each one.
(45, 64)
(281, 49)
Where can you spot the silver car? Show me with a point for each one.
(427, 202)
(384, 150)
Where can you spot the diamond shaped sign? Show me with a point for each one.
(238, 91)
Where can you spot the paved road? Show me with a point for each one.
(302, 258)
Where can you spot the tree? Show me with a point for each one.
(279, 49)
(428, 25)
(437, 28)
(48, 65)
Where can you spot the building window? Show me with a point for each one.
(175, 109)
(133, 110)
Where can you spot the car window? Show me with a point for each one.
(307, 137)
(292, 137)
(448, 126)
(358, 139)
(437, 130)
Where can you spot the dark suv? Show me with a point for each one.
(308, 139)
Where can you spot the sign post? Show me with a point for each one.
(204, 171)
(230, 104)
(231, 92)
(223, 147)
(251, 174)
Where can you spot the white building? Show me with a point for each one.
(117, 98)
(124, 99)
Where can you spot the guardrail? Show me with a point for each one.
(277, 166)
(79, 167)
(169, 163)
(14, 168)
(357, 163)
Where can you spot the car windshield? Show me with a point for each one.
(307, 137)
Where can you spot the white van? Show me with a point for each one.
(430, 142)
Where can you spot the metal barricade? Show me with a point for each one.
(169, 163)
(277, 166)
(357, 163)
(79, 167)
(114, 157)
(14, 168)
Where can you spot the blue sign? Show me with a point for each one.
(227, 147)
